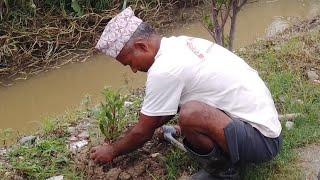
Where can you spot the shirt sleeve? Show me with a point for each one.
(163, 92)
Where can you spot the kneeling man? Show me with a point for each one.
(226, 112)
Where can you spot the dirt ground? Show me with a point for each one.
(309, 161)
(145, 163)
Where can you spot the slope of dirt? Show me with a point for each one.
(309, 161)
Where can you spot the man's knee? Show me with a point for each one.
(189, 111)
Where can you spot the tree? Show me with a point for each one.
(221, 10)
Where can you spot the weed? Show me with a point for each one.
(112, 115)
(57, 126)
(176, 162)
(5, 136)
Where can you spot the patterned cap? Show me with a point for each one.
(118, 32)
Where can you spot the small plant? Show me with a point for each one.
(5, 136)
(112, 115)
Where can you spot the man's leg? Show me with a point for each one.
(203, 126)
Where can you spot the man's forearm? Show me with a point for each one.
(132, 141)
(139, 134)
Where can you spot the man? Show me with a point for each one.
(226, 112)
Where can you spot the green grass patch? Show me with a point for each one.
(47, 158)
(176, 162)
(283, 72)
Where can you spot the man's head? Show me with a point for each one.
(140, 50)
(129, 40)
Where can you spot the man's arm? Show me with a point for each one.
(135, 138)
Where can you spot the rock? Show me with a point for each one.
(312, 75)
(282, 99)
(28, 140)
(154, 155)
(278, 25)
(84, 135)
(128, 104)
(7, 174)
(73, 138)
(84, 125)
(77, 146)
(124, 176)
(3, 151)
(289, 117)
(113, 174)
(71, 130)
(316, 81)
(289, 125)
(56, 178)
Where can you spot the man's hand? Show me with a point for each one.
(103, 154)
(135, 138)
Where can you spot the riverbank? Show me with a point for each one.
(289, 64)
(54, 35)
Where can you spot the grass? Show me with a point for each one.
(283, 72)
(177, 162)
(47, 157)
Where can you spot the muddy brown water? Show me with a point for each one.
(25, 104)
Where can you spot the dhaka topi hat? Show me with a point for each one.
(118, 32)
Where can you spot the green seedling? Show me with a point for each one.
(111, 117)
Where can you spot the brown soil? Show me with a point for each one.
(147, 162)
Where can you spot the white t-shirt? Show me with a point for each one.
(188, 68)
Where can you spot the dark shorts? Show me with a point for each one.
(247, 145)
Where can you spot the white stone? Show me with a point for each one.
(312, 75)
(73, 138)
(71, 130)
(77, 146)
(56, 178)
(289, 125)
(84, 135)
(27, 140)
(155, 155)
(3, 151)
(127, 104)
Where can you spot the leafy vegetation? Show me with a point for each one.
(47, 158)
(112, 115)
